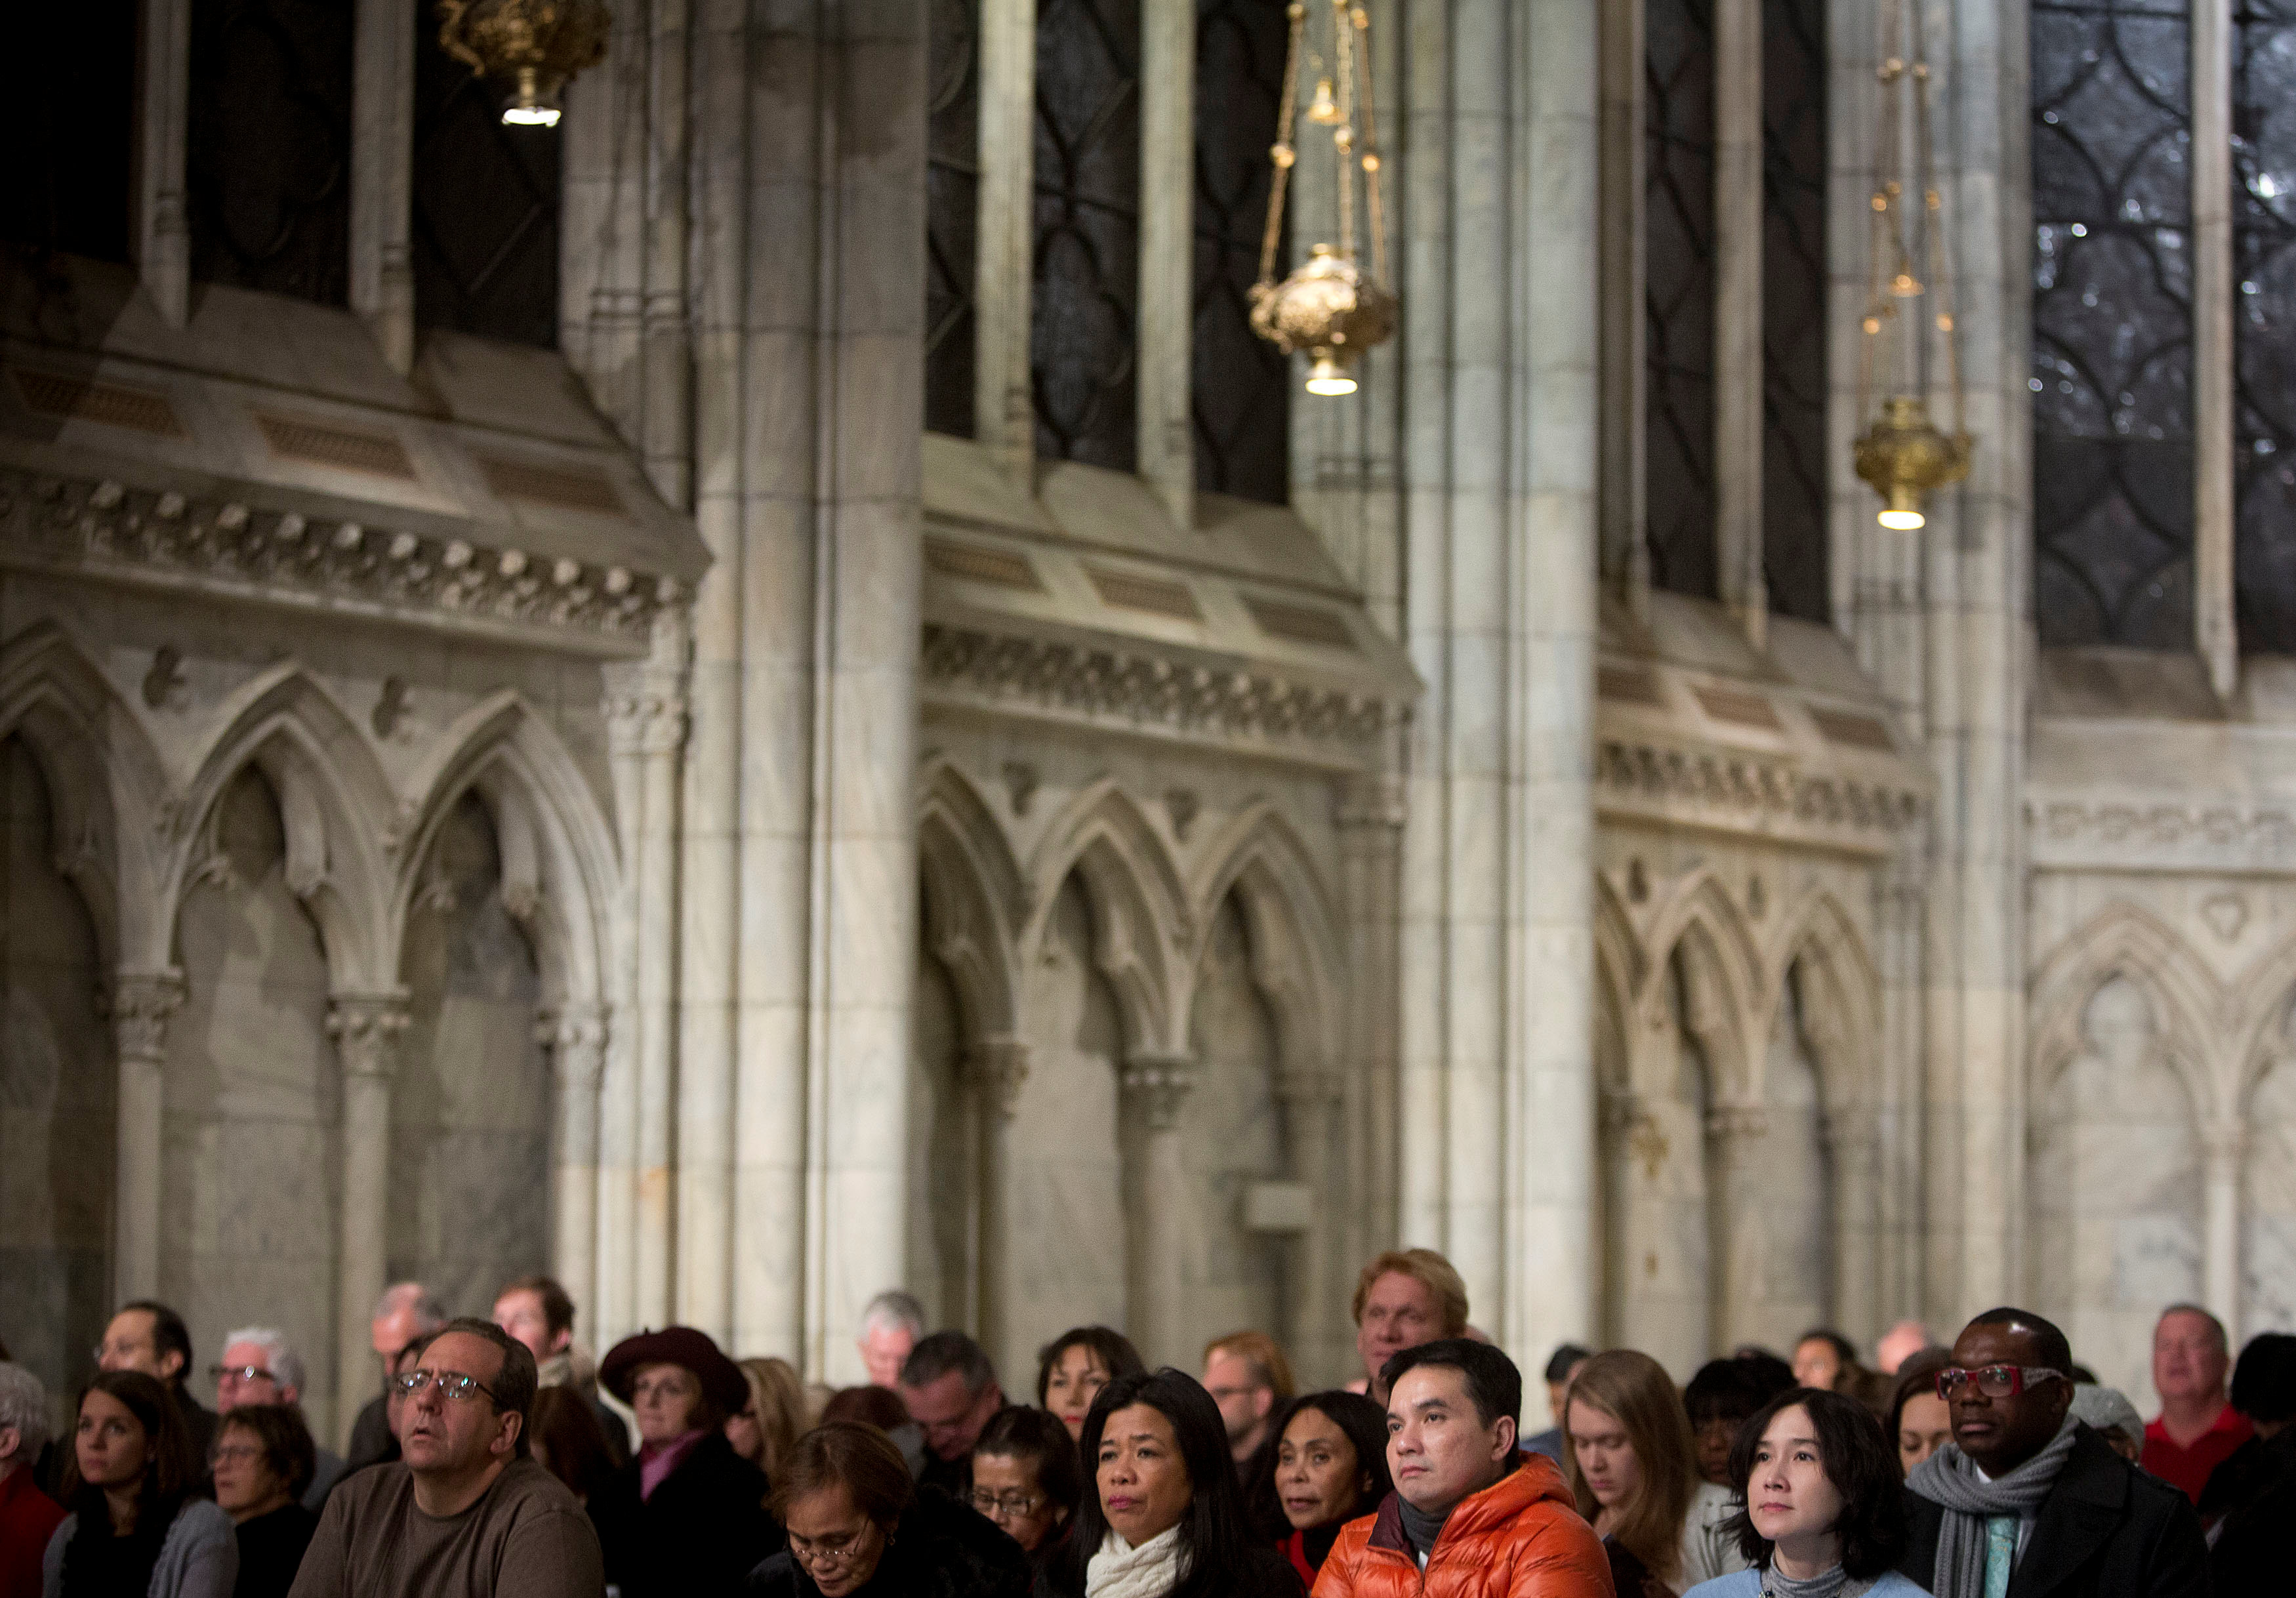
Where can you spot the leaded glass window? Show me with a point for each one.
(267, 161)
(1795, 545)
(2264, 323)
(1678, 212)
(2113, 324)
(1241, 389)
(1085, 289)
(486, 204)
(952, 213)
(67, 111)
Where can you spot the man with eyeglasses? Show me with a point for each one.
(150, 1337)
(2025, 1501)
(465, 1510)
(260, 1366)
(406, 1312)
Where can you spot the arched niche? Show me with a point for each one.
(943, 1195)
(1791, 1275)
(2267, 1252)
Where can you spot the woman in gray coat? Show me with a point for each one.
(135, 1526)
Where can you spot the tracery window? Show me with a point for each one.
(1085, 291)
(267, 161)
(67, 111)
(1679, 208)
(952, 213)
(2264, 323)
(1239, 402)
(2112, 323)
(1794, 542)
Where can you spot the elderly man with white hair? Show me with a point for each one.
(260, 1366)
(890, 1326)
(406, 1312)
(29, 1517)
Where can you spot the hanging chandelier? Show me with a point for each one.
(1328, 307)
(536, 45)
(1900, 450)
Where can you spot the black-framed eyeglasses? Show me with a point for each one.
(1995, 1381)
(451, 1384)
(1021, 1504)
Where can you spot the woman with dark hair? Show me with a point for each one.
(686, 1518)
(1919, 1423)
(1824, 1510)
(881, 1408)
(1719, 1398)
(1165, 1517)
(1328, 1467)
(264, 1460)
(567, 1440)
(1025, 1477)
(135, 1527)
(859, 1527)
(1074, 1366)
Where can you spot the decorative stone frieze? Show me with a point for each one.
(1135, 690)
(2157, 834)
(1738, 791)
(114, 533)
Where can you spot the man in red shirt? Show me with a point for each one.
(27, 1516)
(2197, 1426)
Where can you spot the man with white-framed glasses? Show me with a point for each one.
(465, 1509)
(2025, 1501)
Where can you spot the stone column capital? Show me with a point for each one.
(1735, 1126)
(1851, 1133)
(575, 1038)
(1155, 1085)
(644, 717)
(998, 1068)
(365, 1028)
(1378, 799)
(138, 1006)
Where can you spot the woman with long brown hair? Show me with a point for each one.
(1633, 1467)
(135, 1526)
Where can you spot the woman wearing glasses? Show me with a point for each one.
(1025, 1478)
(263, 1459)
(859, 1527)
(686, 1518)
(135, 1526)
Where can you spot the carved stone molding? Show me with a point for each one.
(2166, 835)
(998, 1067)
(227, 548)
(138, 1007)
(575, 1038)
(1133, 690)
(1733, 1127)
(365, 1028)
(1155, 1085)
(1743, 792)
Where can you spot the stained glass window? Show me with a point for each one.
(1240, 384)
(2113, 352)
(267, 161)
(952, 213)
(1795, 545)
(486, 204)
(1678, 250)
(2264, 323)
(1085, 299)
(66, 110)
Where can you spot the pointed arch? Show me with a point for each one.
(974, 899)
(1140, 920)
(2265, 999)
(1722, 971)
(2125, 941)
(343, 828)
(559, 866)
(1620, 972)
(1295, 946)
(1841, 997)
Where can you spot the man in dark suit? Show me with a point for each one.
(2028, 1501)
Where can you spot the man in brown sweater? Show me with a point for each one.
(465, 1510)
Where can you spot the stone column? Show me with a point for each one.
(1733, 1137)
(2224, 1153)
(2215, 371)
(575, 1038)
(1371, 818)
(162, 239)
(660, 739)
(365, 1028)
(382, 145)
(1738, 313)
(1853, 1148)
(996, 1067)
(1311, 1105)
(1167, 209)
(1156, 1194)
(1004, 413)
(139, 1006)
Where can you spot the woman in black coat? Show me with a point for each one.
(686, 1518)
(859, 1527)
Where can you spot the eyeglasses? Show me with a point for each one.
(1021, 1504)
(240, 1373)
(1995, 1381)
(830, 1552)
(225, 1454)
(451, 1384)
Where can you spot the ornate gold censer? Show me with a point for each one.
(1328, 307)
(1901, 452)
(537, 45)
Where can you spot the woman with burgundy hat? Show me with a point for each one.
(687, 1517)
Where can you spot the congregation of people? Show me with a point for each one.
(498, 1461)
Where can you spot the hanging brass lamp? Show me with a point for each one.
(1329, 307)
(535, 46)
(1903, 453)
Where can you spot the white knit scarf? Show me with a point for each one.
(1120, 1570)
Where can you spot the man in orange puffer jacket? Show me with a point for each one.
(1471, 1515)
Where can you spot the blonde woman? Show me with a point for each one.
(1633, 1466)
(764, 1432)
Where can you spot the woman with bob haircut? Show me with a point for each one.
(135, 1526)
(1163, 1516)
(264, 1460)
(1327, 1466)
(1074, 1366)
(1824, 1507)
(858, 1526)
(1633, 1468)
(1026, 1479)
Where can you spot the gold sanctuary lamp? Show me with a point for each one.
(534, 45)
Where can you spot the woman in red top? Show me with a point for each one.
(1328, 1467)
(29, 1517)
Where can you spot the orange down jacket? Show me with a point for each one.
(1520, 1538)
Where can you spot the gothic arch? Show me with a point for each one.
(974, 899)
(1840, 998)
(342, 828)
(1294, 950)
(2127, 942)
(1140, 920)
(1722, 972)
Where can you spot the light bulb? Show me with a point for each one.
(1902, 521)
(1328, 377)
(530, 116)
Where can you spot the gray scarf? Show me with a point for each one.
(1420, 1527)
(1830, 1584)
(1948, 1478)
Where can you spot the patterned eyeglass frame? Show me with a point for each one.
(2020, 1377)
